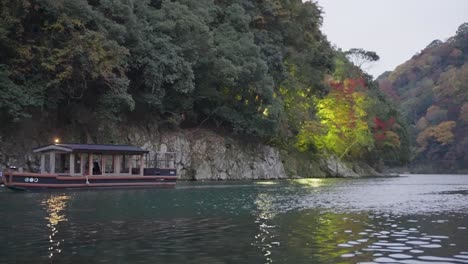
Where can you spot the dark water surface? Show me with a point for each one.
(414, 219)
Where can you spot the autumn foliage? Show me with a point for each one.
(347, 125)
(342, 126)
(432, 90)
(383, 134)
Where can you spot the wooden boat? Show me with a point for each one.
(94, 166)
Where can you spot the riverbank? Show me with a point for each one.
(203, 155)
(206, 155)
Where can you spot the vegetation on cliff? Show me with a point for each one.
(260, 69)
(432, 90)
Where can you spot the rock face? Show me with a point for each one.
(336, 168)
(204, 155)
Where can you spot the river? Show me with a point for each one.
(411, 219)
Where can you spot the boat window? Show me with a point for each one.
(109, 163)
(135, 161)
(124, 164)
(96, 168)
(62, 163)
(97, 165)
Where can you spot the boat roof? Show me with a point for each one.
(92, 148)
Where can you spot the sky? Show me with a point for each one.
(395, 29)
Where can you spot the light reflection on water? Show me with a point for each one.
(310, 182)
(55, 206)
(416, 219)
(264, 240)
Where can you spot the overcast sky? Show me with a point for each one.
(395, 29)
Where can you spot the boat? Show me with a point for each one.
(95, 166)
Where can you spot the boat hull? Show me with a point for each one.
(35, 182)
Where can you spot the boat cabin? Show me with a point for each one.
(95, 166)
(91, 159)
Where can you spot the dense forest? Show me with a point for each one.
(432, 91)
(256, 69)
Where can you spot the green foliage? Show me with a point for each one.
(102, 60)
(260, 69)
(359, 57)
(16, 101)
(348, 120)
(343, 113)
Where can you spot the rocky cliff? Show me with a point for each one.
(202, 154)
(205, 155)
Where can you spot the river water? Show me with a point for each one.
(412, 219)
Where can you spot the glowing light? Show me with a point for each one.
(57, 140)
(266, 182)
(310, 182)
(342, 127)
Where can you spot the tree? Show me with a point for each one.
(343, 128)
(259, 69)
(387, 87)
(464, 113)
(461, 38)
(17, 100)
(442, 134)
(383, 134)
(434, 43)
(361, 57)
(435, 114)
